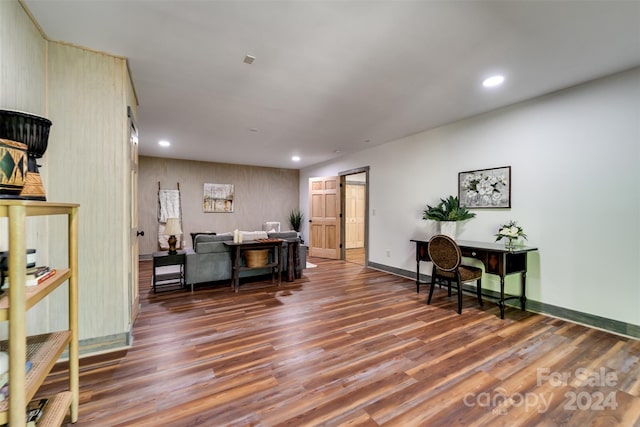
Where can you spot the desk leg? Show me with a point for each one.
(523, 295)
(291, 268)
(280, 264)
(418, 276)
(296, 260)
(236, 269)
(501, 302)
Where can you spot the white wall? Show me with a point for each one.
(575, 189)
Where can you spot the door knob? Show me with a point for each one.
(140, 233)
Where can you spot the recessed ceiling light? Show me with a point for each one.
(253, 130)
(164, 143)
(493, 81)
(295, 158)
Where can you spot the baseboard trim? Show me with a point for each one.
(100, 345)
(614, 326)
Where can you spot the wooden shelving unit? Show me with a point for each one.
(42, 350)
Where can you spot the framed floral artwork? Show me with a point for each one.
(485, 188)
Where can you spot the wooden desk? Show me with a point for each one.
(237, 249)
(497, 260)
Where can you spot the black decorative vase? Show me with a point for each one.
(33, 131)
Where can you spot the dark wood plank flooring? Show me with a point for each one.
(346, 345)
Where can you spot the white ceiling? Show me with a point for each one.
(334, 77)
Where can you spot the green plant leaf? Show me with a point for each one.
(448, 209)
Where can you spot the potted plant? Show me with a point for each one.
(295, 219)
(447, 213)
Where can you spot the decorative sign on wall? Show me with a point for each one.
(218, 198)
(485, 188)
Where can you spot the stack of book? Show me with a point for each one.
(35, 276)
(35, 409)
(4, 381)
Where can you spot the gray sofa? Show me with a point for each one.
(210, 260)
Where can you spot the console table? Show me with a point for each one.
(497, 260)
(238, 249)
(293, 260)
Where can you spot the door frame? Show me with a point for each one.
(343, 183)
(133, 288)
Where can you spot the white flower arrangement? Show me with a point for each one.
(511, 231)
(484, 188)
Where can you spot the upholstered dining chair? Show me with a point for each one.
(446, 257)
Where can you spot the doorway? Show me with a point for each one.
(339, 223)
(355, 202)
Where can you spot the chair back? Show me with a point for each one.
(444, 252)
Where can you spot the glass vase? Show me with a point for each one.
(510, 243)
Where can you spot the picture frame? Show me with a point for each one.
(485, 188)
(218, 198)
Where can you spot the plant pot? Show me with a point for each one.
(449, 228)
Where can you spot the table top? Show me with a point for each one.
(492, 246)
(166, 253)
(254, 242)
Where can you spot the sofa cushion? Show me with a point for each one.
(254, 235)
(201, 238)
(208, 244)
(283, 235)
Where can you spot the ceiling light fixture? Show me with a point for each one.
(295, 158)
(249, 59)
(164, 143)
(493, 81)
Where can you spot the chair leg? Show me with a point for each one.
(459, 298)
(479, 291)
(433, 285)
(449, 287)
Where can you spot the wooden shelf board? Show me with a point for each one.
(56, 409)
(43, 351)
(37, 208)
(35, 293)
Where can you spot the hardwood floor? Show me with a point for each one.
(346, 345)
(355, 255)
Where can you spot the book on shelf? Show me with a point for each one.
(4, 380)
(32, 280)
(35, 272)
(35, 409)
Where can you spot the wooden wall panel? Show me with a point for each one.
(23, 53)
(87, 164)
(22, 61)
